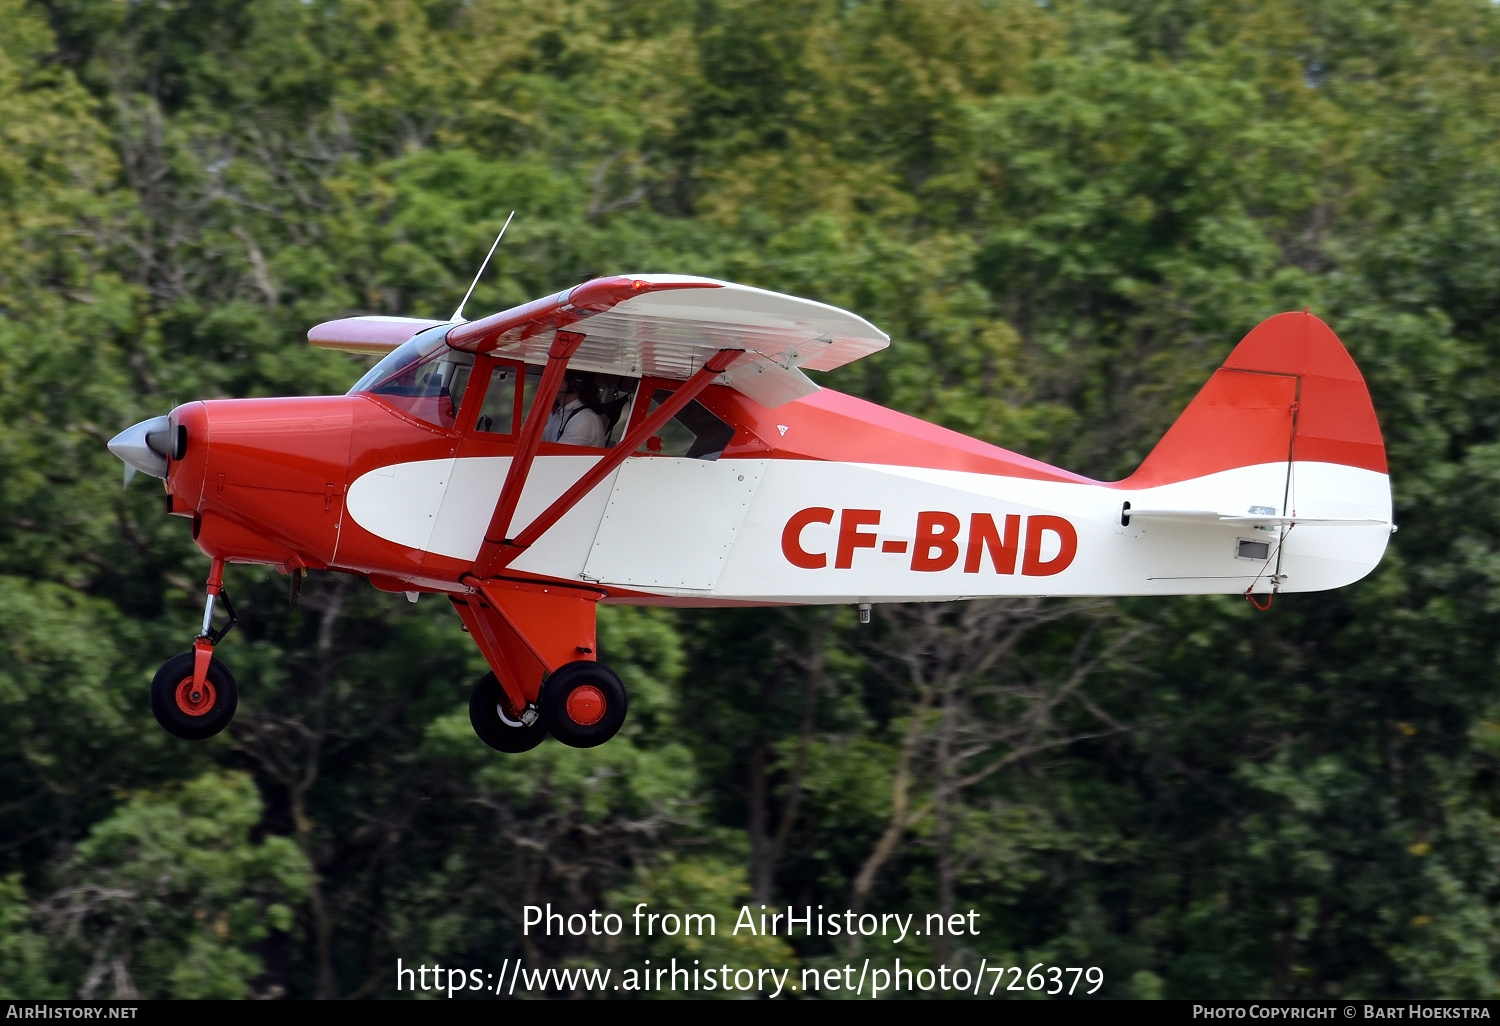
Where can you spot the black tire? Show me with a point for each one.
(179, 715)
(497, 724)
(571, 701)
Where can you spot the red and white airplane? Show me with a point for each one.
(726, 477)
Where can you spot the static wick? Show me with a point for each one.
(458, 314)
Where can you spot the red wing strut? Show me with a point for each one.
(495, 555)
(564, 345)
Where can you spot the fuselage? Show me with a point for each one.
(825, 499)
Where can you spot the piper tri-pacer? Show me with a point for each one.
(717, 473)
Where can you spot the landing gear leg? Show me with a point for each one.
(193, 695)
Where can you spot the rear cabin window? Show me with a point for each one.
(694, 433)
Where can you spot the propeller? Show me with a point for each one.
(144, 447)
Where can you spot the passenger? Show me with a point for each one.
(573, 420)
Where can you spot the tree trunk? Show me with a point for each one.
(942, 820)
(761, 856)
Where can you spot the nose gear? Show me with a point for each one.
(193, 695)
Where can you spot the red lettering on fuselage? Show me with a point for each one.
(851, 537)
(791, 538)
(937, 544)
(1032, 564)
(982, 536)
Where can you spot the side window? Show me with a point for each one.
(498, 413)
(694, 432)
(606, 397)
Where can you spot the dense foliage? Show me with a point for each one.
(1064, 213)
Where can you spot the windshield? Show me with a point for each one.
(423, 378)
(420, 346)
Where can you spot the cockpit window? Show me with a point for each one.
(423, 378)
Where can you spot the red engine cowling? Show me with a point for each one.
(264, 479)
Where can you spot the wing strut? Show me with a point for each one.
(495, 556)
(564, 345)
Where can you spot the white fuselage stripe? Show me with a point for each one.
(717, 530)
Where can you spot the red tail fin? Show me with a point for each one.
(1290, 390)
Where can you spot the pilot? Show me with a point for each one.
(573, 420)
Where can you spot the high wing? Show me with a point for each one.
(666, 326)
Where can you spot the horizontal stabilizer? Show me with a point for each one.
(1205, 516)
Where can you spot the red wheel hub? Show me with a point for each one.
(195, 701)
(586, 705)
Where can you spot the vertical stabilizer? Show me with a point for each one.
(1285, 431)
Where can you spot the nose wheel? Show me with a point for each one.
(188, 708)
(193, 695)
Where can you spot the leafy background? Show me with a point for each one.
(1065, 213)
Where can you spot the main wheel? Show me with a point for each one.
(497, 724)
(584, 704)
(189, 713)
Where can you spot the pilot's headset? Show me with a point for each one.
(582, 384)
